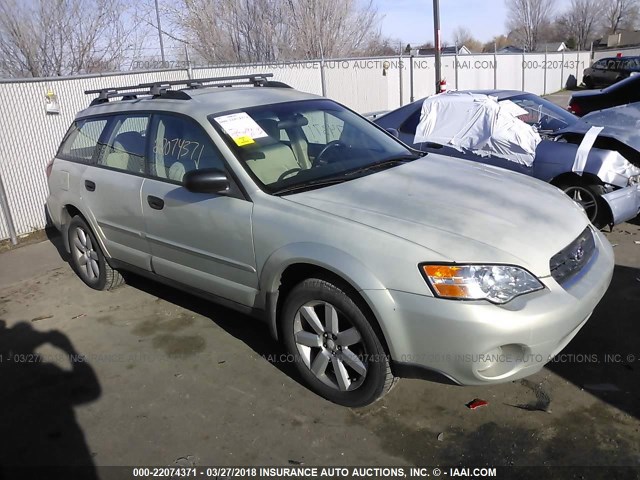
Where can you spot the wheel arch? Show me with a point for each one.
(288, 266)
(573, 178)
(70, 210)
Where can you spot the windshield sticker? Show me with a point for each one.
(241, 128)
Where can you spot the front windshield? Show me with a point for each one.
(286, 145)
(542, 114)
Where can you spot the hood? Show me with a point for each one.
(463, 211)
(621, 130)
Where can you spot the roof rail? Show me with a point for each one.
(163, 89)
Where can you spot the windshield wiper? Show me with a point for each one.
(310, 185)
(349, 175)
(386, 163)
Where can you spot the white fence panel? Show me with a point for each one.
(359, 84)
(30, 137)
(509, 71)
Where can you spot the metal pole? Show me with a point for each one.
(562, 72)
(411, 97)
(160, 32)
(456, 67)
(495, 66)
(544, 88)
(4, 205)
(436, 32)
(400, 68)
(186, 55)
(523, 70)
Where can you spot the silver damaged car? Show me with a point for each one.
(368, 260)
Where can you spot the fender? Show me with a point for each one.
(89, 218)
(350, 269)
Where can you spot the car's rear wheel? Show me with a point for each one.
(333, 344)
(87, 259)
(589, 196)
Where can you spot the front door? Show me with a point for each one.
(201, 240)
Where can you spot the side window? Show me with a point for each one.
(600, 64)
(125, 149)
(180, 145)
(410, 125)
(82, 140)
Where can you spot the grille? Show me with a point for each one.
(571, 259)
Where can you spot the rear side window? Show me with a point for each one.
(125, 149)
(82, 140)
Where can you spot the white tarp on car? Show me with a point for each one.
(477, 123)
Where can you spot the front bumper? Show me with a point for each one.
(477, 343)
(624, 203)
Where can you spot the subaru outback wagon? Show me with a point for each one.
(368, 260)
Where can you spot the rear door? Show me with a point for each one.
(111, 188)
(201, 240)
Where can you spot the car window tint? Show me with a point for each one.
(179, 146)
(126, 145)
(411, 123)
(81, 141)
(322, 127)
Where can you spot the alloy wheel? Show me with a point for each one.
(86, 255)
(330, 346)
(586, 198)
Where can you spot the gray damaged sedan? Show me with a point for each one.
(596, 164)
(368, 260)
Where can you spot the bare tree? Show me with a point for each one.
(268, 30)
(580, 20)
(63, 37)
(620, 14)
(527, 19)
(496, 43)
(463, 36)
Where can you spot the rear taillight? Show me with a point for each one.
(49, 167)
(575, 109)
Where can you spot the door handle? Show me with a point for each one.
(89, 185)
(155, 202)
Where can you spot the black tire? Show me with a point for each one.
(86, 257)
(365, 388)
(588, 82)
(590, 197)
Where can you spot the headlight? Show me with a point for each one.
(635, 180)
(495, 283)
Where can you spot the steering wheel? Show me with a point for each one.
(328, 147)
(288, 172)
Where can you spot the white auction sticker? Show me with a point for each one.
(241, 128)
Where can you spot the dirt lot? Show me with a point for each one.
(170, 379)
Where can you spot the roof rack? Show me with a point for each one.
(163, 89)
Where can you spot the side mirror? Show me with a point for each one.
(393, 132)
(207, 180)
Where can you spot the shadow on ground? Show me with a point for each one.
(37, 400)
(604, 358)
(251, 331)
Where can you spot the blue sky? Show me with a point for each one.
(412, 20)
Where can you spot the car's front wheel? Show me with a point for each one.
(588, 82)
(589, 196)
(333, 343)
(87, 259)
